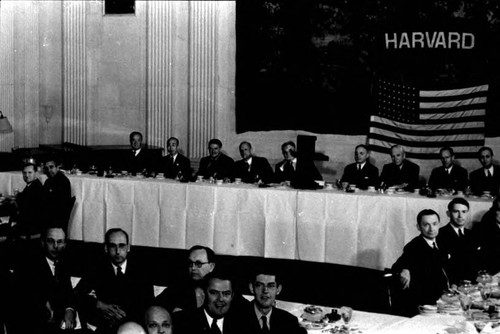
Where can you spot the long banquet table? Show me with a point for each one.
(358, 229)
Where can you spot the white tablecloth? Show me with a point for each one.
(362, 229)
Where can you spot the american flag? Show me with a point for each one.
(423, 121)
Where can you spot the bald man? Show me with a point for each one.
(157, 320)
(130, 327)
(400, 173)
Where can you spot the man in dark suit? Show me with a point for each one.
(252, 169)
(488, 236)
(299, 172)
(262, 316)
(58, 188)
(217, 315)
(449, 176)
(216, 164)
(361, 173)
(116, 289)
(30, 215)
(421, 267)
(174, 165)
(187, 293)
(138, 159)
(45, 285)
(459, 243)
(400, 173)
(486, 178)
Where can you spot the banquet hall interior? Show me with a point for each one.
(75, 78)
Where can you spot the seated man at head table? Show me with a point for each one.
(488, 236)
(188, 293)
(175, 165)
(361, 173)
(421, 268)
(157, 320)
(251, 168)
(30, 206)
(58, 188)
(138, 159)
(216, 165)
(263, 316)
(486, 178)
(217, 315)
(450, 176)
(459, 243)
(400, 173)
(299, 172)
(116, 289)
(44, 280)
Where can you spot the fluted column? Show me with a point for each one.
(74, 73)
(160, 76)
(7, 70)
(202, 75)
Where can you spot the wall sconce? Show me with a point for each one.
(5, 126)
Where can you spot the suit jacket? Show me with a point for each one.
(488, 238)
(39, 285)
(171, 169)
(281, 322)
(132, 294)
(260, 167)
(462, 254)
(440, 179)
(303, 176)
(32, 212)
(222, 167)
(393, 175)
(426, 266)
(367, 176)
(58, 190)
(137, 163)
(479, 182)
(195, 322)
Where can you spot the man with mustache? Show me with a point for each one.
(216, 316)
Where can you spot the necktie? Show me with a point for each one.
(359, 167)
(265, 329)
(214, 329)
(288, 169)
(434, 246)
(57, 271)
(248, 166)
(488, 173)
(119, 272)
(460, 233)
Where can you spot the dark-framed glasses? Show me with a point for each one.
(197, 264)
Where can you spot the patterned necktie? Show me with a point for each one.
(214, 329)
(265, 329)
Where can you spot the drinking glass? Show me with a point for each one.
(465, 302)
(485, 292)
(346, 314)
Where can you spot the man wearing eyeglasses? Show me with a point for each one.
(187, 294)
(117, 289)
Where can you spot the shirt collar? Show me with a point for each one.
(137, 151)
(52, 265)
(123, 266)
(249, 161)
(491, 169)
(220, 321)
(259, 314)
(361, 165)
(456, 229)
(429, 241)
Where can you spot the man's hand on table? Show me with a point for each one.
(111, 312)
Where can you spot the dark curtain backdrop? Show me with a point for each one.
(310, 64)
